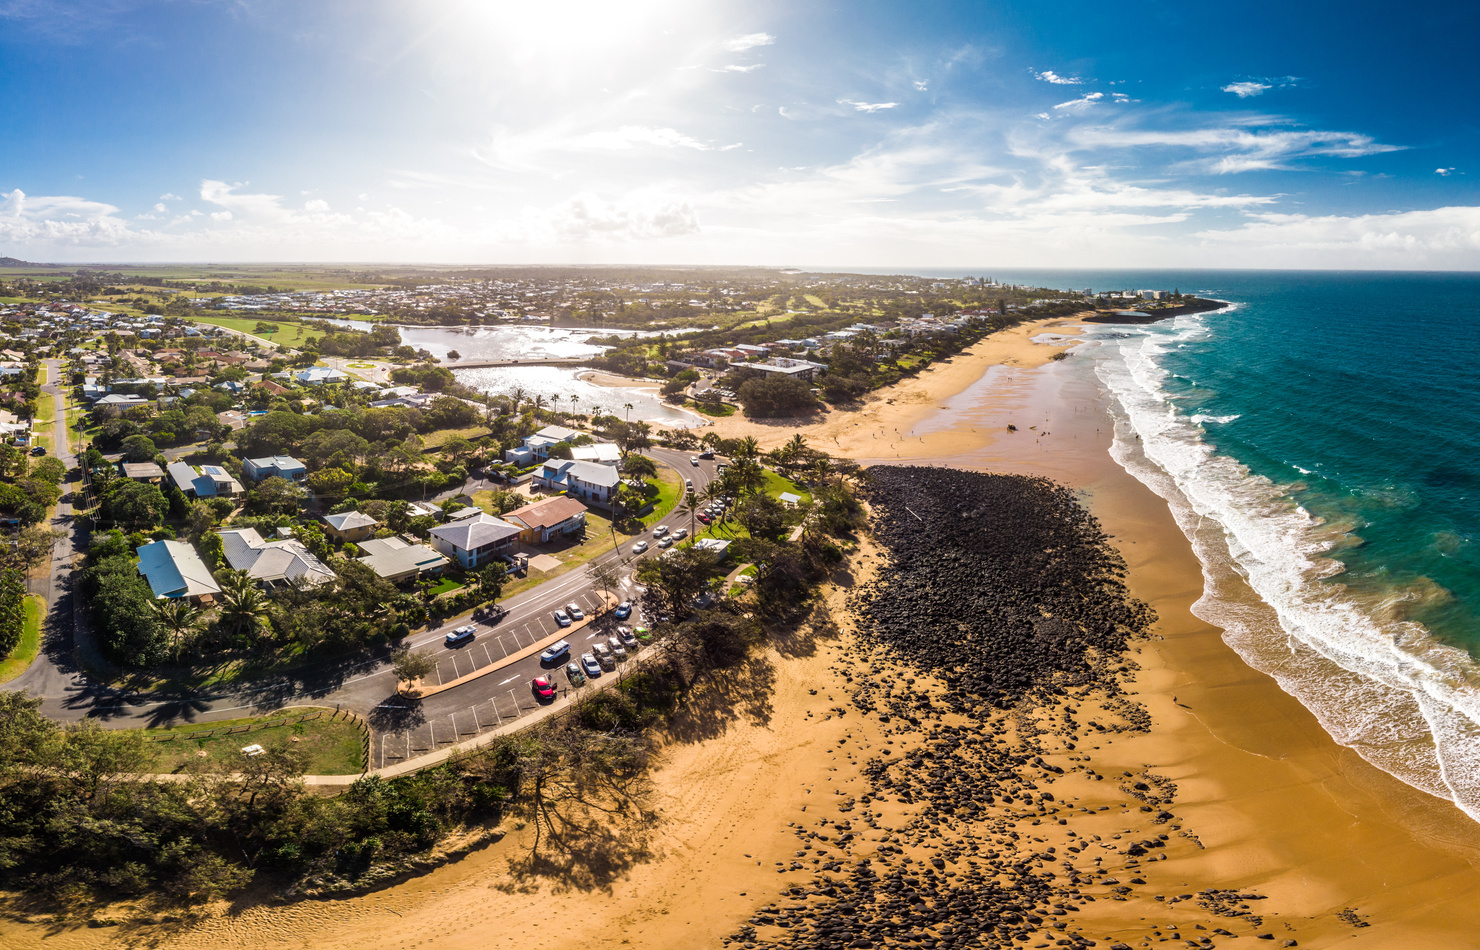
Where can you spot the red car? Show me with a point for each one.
(544, 687)
(705, 518)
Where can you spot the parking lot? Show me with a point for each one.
(445, 719)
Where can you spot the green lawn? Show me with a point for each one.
(329, 747)
(30, 646)
(43, 426)
(447, 586)
(717, 409)
(670, 492)
(289, 334)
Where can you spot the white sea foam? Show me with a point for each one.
(1201, 419)
(1381, 686)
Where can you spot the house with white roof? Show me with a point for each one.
(273, 563)
(474, 542)
(175, 571)
(605, 453)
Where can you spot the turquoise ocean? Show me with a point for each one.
(1318, 440)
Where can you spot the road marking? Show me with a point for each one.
(510, 680)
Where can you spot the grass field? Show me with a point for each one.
(329, 747)
(670, 493)
(290, 334)
(447, 586)
(43, 426)
(30, 646)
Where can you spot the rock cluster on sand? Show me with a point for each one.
(1000, 613)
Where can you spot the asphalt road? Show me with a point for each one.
(366, 685)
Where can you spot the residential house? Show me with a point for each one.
(474, 542)
(588, 481)
(120, 401)
(314, 375)
(606, 453)
(350, 526)
(210, 481)
(274, 466)
(547, 438)
(143, 472)
(544, 520)
(399, 561)
(273, 563)
(175, 571)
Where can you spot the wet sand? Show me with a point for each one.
(1265, 803)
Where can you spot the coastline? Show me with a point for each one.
(1266, 802)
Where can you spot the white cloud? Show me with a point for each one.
(587, 218)
(1232, 149)
(1081, 105)
(867, 106)
(316, 204)
(631, 136)
(1246, 89)
(1446, 172)
(735, 68)
(159, 208)
(1437, 238)
(748, 41)
(921, 85)
(1048, 75)
(170, 197)
(781, 111)
(220, 215)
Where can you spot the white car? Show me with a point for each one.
(680, 534)
(575, 611)
(589, 665)
(660, 530)
(461, 634)
(556, 651)
(665, 542)
(639, 547)
(694, 460)
(561, 618)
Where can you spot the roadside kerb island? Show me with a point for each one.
(416, 690)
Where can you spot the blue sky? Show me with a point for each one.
(1074, 134)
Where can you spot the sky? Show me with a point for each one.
(1035, 133)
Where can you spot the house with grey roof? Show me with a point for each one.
(591, 482)
(209, 481)
(274, 466)
(398, 560)
(350, 526)
(474, 542)
(273, 563)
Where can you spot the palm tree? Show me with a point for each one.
(539, 404)
(243, 606)
(555, 401)
(748, 448)
(747, 476)
(628, 407)
(573, 400)
(797, 447)
(178, 617)
(518, 396)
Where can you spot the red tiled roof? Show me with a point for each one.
(547, 513)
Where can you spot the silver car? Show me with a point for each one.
(618, 651)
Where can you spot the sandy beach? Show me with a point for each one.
(1324, 848)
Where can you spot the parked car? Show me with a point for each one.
(665, 542)
(556, 651)
(707, 454)
(680, 534)
(575, 611)
(624, 610)
(660, 530)
(618, 651)
(574, 674)
(628, 637)
(705, 517)
(694, 460)
(639, 547)
(544, 687)
(561, 618)
(603, 654)
(589, 666)
(461, 634)
(643, 634)
(39, 450)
